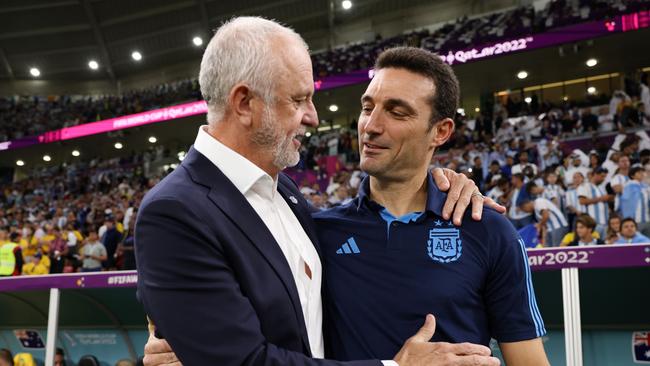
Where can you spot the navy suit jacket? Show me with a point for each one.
(211, 276)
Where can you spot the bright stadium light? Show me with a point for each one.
(592, 62)
(75, 153)
(20, 162)
(565, 98)
(93, 65)
(47, 158)
(153, 139)
(35, 72)
(522, 75)
(477, 109)
(136, 55)
(118, 145)
(197, 41)
(333, 108)
(591, 90)
(346, 4)
(528, 100)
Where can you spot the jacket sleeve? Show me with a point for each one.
(189, 290)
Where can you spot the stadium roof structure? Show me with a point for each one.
(61, 37)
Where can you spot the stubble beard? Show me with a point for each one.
(272, 140)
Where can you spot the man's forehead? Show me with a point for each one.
(390, 83)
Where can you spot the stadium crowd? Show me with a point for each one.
(466, 32)
(80, 216)
(60, 359)
(22, 116)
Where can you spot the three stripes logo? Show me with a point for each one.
(350, 247)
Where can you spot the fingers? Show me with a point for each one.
(476, 360)
(441, 179)
(426, 332)
(477, 206)
(468, 189)
(489, 202)
(466, 349)
(453, 195)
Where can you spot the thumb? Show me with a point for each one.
(426, 332)
(151, 327)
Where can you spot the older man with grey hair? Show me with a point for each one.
(228, 262)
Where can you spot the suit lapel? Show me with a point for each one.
(235, 206)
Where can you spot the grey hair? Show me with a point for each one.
(241, 52)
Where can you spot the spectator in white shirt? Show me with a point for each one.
(523, 163)
(596, 199)
(551, 223)
(619, 179)
(553, 191)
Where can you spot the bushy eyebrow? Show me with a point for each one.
(392, 103)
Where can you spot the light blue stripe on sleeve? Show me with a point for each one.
(532, 302)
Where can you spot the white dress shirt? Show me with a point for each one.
(261, 192)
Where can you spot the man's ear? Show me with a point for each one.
(240, 103)
(442, 131)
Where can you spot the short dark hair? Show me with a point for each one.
(628, 219)
(444, 99)
(635, 170)
(59, 351)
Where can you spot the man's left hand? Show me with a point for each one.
(462, 192)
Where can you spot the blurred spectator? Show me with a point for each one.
(595, 199)
(584, 232)
(126, 248)
(552, 190)
(551, 223)
(613, 229)
(635, 202)
(58, 250)
(110, 239)
(59, 357)
(93, 253)
(518, 197)
(36, 266)
(11, 256)
(629, 235)
(6, 358)
(619, 180)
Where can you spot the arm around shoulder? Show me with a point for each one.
(189, 288)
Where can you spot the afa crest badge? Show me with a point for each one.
(444, 244)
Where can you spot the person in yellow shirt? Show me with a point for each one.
(37, 266)
(44, 242)
(29, 249)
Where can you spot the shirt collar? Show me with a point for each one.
(435, 197)
(243, 174)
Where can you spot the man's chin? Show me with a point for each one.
(288, 162)
(370, 168)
